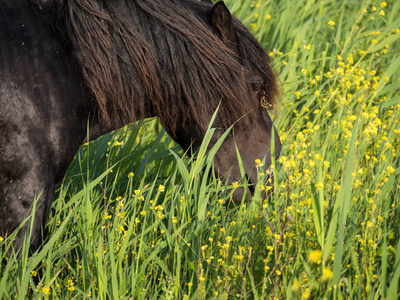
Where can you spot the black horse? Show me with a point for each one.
(112, 62)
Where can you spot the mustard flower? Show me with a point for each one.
(295, 285)
(326, 274)
(161, 188)
(315, 256)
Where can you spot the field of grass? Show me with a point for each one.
(136, 219)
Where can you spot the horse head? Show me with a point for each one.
(254, 134)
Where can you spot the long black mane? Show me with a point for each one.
(137, 56)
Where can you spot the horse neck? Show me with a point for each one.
(97, 128)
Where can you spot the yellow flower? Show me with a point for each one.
(318, 157)
(161, 188)
(383, 4)
(258, 163)
(331, 23)
(295, 285)
(268, 16)
(46, 290)
(315, 256)
(390, 169)
(382, 13)
(326, 274)
(306, 294)
(1, 239)
(235, 184)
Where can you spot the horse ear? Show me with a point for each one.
(221, 20)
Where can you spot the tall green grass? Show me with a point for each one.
(137, 219)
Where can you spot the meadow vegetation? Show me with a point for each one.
(135, 218)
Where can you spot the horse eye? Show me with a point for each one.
(256, 85)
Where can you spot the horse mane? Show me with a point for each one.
(141, 56)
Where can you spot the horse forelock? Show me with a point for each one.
(254, 56)
(161, 57)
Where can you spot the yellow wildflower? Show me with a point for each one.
(315, 256)
(295, 285)
(161, 188)
(326, 274)
(46, 290)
